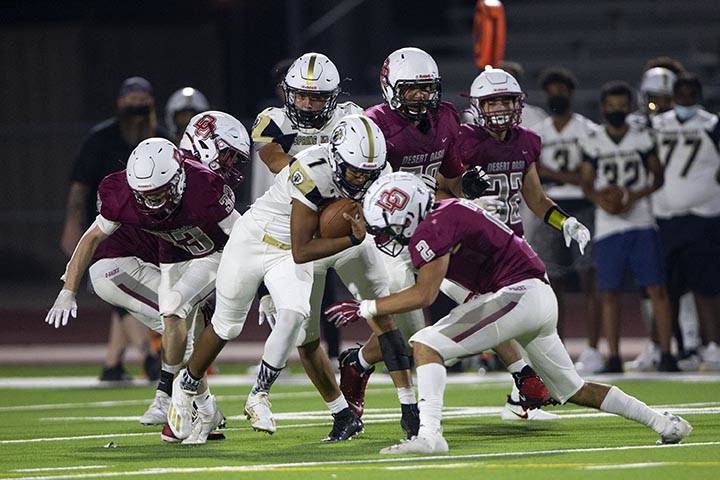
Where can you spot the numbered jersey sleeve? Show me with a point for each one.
(310, 176)
(431, 240)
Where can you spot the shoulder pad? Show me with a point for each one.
(269, 124)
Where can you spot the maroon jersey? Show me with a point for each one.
(410, 150)
(505, 163)
(129, 241)
(485, 254)
(192, 230)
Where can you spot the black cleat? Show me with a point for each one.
(353, 380)
(345, 426)
(613, 365)
(667, 363)
(410, 420)
(115, 374)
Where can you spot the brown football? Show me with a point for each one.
(332, 222)
(611, 199)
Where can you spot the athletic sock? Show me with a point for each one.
(620, 403)
(361, 360)
(337, 405)
(204, 403)
(265, 378)
(516, 367)
(431, 389)
(406, 395)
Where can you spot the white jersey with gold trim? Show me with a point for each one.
(690, 154)
(621, 164)
(561, 152)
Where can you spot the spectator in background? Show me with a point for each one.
(531, 115)
(688, 210)
(182, 105)
(559, 170)
(104, 151)
(620, 170)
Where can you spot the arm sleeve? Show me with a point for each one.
(303, 187)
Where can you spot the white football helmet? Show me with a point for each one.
(393, 208)
(220, 142)
(186, 98)
(410, 67)
(312, 74)
(156, 177)
(496, 83)
(658, 81)
(357, 154)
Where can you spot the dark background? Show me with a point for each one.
(61, 63)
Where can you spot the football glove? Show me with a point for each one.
(64, 306)
(474, 182)
(574, 230)
(267, 311)
(343, 312)
(492, 204)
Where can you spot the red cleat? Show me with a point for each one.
(353, 380)
(533, 392)
(167, 435)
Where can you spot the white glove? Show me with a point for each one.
(267, 311)
(574, 230)
(430, 181)
(490, 204)
(64, 306)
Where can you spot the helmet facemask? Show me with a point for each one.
(390, 239)
(161, 202)
(499, 121)
(310, 119)
(341, 168)
(416, 110)
(229, 164)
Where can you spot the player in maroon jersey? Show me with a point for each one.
(191, 210)
(512, 299)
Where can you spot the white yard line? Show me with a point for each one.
(623, 466)
(58, 469)
(376, 461)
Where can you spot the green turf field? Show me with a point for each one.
(63, 433)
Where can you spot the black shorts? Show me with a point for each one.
(691, 246)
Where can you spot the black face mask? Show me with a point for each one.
(616, 118)
(136, 111)
(558, 104)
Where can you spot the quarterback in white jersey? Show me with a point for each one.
(688, 207)
(619, 172)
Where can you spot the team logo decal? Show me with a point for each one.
(297, 178)
(338, 134)
(205, 127)
(392, 200)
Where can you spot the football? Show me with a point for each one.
(611, 199)
(332, 222)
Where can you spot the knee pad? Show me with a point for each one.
(394, 351)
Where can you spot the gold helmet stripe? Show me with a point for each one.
(371, 138)
(311, 69)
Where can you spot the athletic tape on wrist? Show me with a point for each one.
(555, 217)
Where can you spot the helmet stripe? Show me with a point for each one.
(371, 139)
(311, 68)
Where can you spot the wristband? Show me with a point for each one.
(354, 240)
(368, 309)
(555, 217)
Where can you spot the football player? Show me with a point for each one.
(182, 105)
(620, 170)
(656, 92)
(419, 130)
(559, 171)
(687, 208)
(191, 210)
(511, 299)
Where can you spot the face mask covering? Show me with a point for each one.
(616, 118)
(558, 104)
(140, 111)
(684, 113)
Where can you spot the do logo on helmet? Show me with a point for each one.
(393, 200)
(205, 127)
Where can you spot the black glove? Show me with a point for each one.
(430, 181)
(474, 182)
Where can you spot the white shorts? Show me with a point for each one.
(184, 285)
(247, 260)
(129, 283)
(360, 268)
(525, 311)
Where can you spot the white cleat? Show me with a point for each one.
(427, 444)
(677, 429)
(204, 425)
(257, 410)
(156, 414)
(590, 361)
(647, 361)
(182, 412)
(512, 412)
(710, 358)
